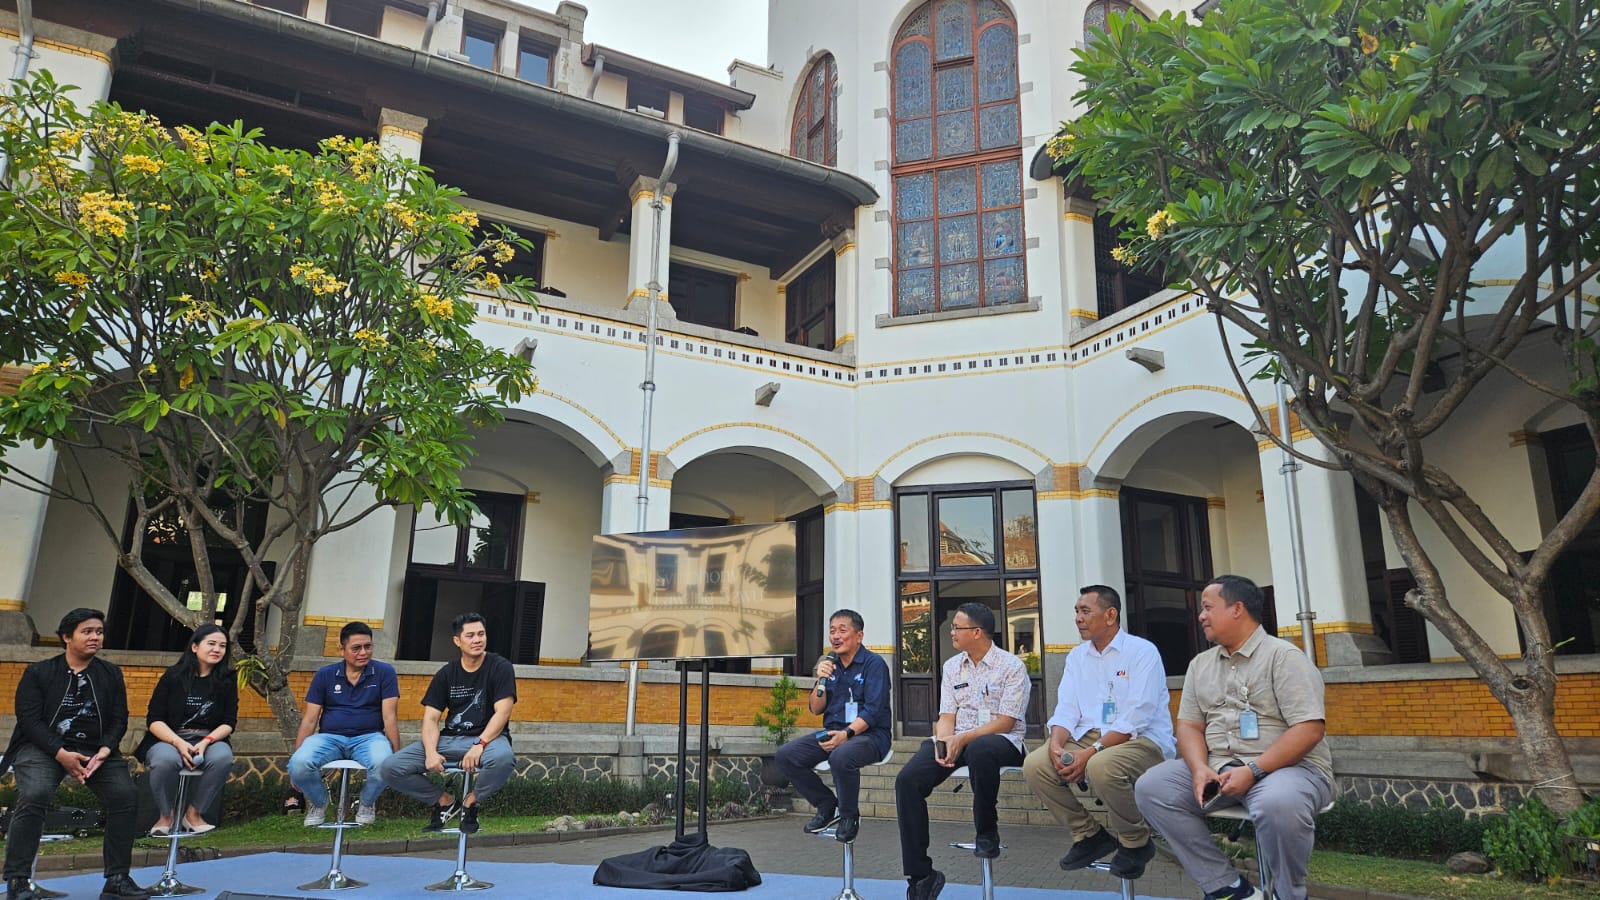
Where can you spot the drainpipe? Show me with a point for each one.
(25, 56)
(648, 386)
(1290, 469)
(594, 80)
(427, 27)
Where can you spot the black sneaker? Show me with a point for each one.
(986, 847)
(1240, 890)
(1130, 861)
(849, 827)
(121, 887)
(20, 889)
(927, 887)
(469, 819)
(441, 815)
(826, 815)
(1088, 850)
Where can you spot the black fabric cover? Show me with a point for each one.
(691, 864)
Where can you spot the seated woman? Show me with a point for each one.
(193, 710)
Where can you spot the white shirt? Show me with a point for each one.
(1128, 672)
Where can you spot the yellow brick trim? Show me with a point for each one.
(1295, 437)
(1153, 398)
(396, 131)
(1078, 217)
(783, 289)
(934, 437)
(766, 670)
(644, 293)
(1526, 439)
(845, 339)
(762, 425)
(547, 661)
(854, 507)
(1059, 648)
(1216, 503)
(1090, 493)
(1067, 476)
(1462, 659)
(59, 47)
(666, 200)
(586, 411)
(1329, 628)
(1085, 314)
(341, 621)
(881, 649)
(8, 605)
(851, 245)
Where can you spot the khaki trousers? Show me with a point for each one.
(1111, 773)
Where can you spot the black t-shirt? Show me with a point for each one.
(468, 698)
(77, 719)
(201, 711)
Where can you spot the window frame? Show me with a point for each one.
(694, 107)
(800, 139)
(492, 33)
(530, 45)
(936, 165)
(1118, 285)
(460, 566)
(799, 326)
(372, 8)
(640, 86)
(707, 274)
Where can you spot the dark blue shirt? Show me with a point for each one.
(866, 681)
(349, 709)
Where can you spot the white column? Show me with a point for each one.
(1059, 580)
(841, 540)
(642, 195)
(1217, 524)
(873, 591)
(22, 514)
(619, 499)
(340, 589)
(1077, 258)
(846, 305)
(400, 133)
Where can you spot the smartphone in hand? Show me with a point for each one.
(941, 749)
(821, 736)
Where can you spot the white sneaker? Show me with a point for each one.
(316, 815)
(366, 815)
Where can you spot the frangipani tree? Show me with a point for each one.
(239, 327)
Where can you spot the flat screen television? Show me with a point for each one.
(693, 593)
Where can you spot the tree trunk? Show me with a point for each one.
(1532, 708)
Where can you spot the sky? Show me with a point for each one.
(698, 36)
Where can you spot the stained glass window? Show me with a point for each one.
(814, 134)
(957, 158)
(1100, 11)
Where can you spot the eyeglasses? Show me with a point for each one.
(956, 628)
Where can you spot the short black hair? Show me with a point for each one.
(71, 621)
(979, 615)
(465, 619)
(856, 621)
(1107, 596)
(1239, 589)
(351, 629)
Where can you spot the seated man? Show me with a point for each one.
(852, 696)
(1112, 716)
(1250, 728)
(352, 712)
(477, 692)
(983, 699)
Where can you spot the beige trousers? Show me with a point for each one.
(1111, 773)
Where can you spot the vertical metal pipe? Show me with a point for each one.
(683, 739)
(705, 744)
(1290, 470)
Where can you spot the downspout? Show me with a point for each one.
(594, 82)
(648, 386)
(1290, 470)
(25, 56)
(427, 27)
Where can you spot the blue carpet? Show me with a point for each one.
(405, 877)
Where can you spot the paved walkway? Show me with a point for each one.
(779, 846)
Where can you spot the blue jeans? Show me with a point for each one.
(305, 766)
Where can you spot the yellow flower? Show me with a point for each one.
(138, 162)
(283, 170)
(101, 214)
(490, 282)
(164, 207)
(73, 279)
(1158, 224)
(1123, 255)
(151, 369)
(1369, 43)
(41, 367)
(240, 171)
(434, 305)
(465, 217)
(371, 340)
(1060, 145)
(67, 140)
(503, 252)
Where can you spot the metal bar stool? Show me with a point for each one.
(169, 885)
(460, 880)
(336, 879)
(987, 872)
(1127, 883)
(43, 893)
(1237, 814)
(848, 892)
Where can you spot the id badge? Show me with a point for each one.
(1249, 728)
(984, 715)
(1108, 712)
(851, 708)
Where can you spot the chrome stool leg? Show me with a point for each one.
(985, 869)
(336, 879)
(169, 885)
(1127, 883)
(460, 880)
(43, 893)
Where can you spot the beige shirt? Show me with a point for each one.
(1270, 676)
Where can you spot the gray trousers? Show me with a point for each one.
(164, 765)
(1283, 807)
(404, 769)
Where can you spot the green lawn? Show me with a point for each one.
(1430, 879)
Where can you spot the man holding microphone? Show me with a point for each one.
(852, 696)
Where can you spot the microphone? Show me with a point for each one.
(822, 686)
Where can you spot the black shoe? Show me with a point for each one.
(986, 847)
(441, 815)
(1240, 890)
(20, 889)
(925, 888)
(121, 887)
(1088, 850)
(469, 821)
(826, 815)
(1130, 861)
(849, 827)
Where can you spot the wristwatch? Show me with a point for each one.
(1097, 746)
(481, 742)
(1257, 771)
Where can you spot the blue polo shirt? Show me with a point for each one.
(349, 709)
(866, 681)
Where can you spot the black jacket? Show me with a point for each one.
(167, 703)
(39, 693)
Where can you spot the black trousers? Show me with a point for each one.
(37, 776)
(799, 757)
(983, 757)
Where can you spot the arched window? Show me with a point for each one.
(1100, 11)
(957, 159)
(815, 133)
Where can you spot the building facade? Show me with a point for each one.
(881, 318)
